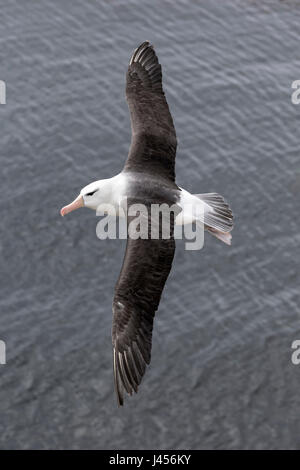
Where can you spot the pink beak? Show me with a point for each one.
(78, 202)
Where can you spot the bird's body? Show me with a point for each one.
(148, 178)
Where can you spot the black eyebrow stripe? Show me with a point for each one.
(91, 193)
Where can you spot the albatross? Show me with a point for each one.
(149, 177)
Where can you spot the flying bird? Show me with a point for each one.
(148, 177)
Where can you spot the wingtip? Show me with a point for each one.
(119, 394)
(140, 48)
(120, 401)
(144, 43)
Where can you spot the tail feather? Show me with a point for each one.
(225, 237)
(218, 219)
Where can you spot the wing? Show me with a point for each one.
(145, 269)
(153, 143)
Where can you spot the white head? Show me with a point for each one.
(91, 196)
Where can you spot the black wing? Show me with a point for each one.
(153, 143)
(145, 269)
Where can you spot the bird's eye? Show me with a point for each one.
(91, 193)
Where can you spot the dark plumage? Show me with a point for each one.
(153, 143)
(147, 263)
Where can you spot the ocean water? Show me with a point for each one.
(221, 375)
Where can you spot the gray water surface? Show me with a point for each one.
(221, 375)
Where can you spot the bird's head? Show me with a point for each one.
(90, 196)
